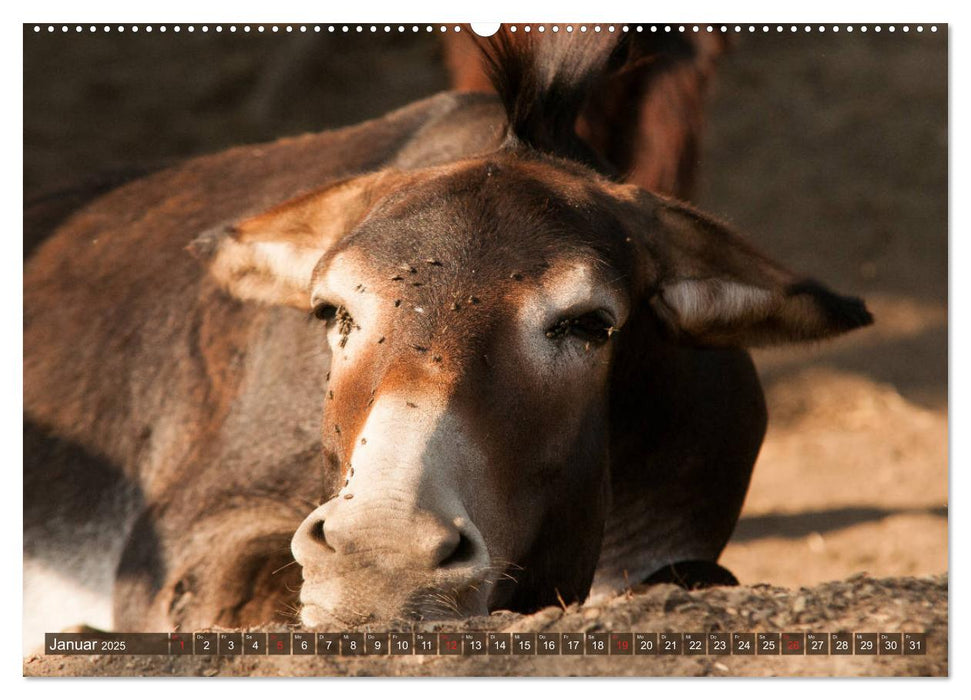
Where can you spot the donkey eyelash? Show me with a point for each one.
(593, 327)
(339, 315)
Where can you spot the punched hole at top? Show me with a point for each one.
(485, 28)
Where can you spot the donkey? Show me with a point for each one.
(443, 357)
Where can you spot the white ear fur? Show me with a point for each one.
(699, 303)
(271, 272)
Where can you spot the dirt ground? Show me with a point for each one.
(829, 151)
(857, 605)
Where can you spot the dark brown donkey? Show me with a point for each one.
(439, 355)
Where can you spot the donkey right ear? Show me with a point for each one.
(710, 287)
(271, 257)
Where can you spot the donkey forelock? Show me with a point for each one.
(544, 85)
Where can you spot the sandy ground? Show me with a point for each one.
(829, 151)
(861, 604)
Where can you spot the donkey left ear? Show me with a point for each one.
(713, 288)
(271, 257)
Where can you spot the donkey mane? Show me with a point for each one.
(544, 85)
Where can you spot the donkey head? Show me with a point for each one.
(473, 313)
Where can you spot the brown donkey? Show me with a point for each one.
(440, 356)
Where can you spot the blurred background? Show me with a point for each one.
(829, 151)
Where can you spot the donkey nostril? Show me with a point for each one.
(316, 533)
(463, 553)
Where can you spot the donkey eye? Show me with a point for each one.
(593, 327)
(325, 312)
(337, 316)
